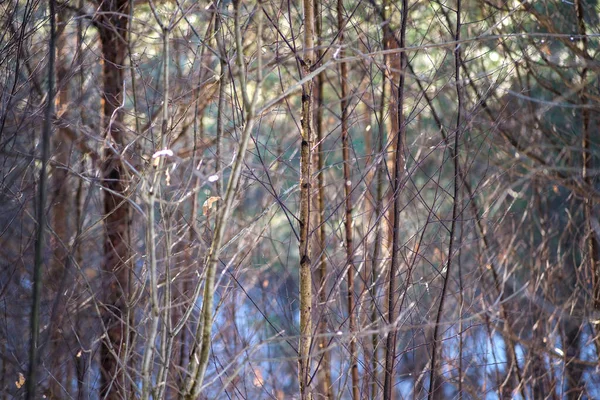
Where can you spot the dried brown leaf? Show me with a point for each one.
(208, 204)
(20, 382)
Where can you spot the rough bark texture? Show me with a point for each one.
(113, 27)
(324, 365)
(305, 188)
(348, 204)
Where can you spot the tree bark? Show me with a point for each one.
(324, 365)
(399, 138)
(113, 27)
(61, 202)
(348, 204)
(305, 188)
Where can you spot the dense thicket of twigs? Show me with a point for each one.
(315, 199)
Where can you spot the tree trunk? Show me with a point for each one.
(348, 204)
(573, 370)
(60, 204)
(305, 188)
(113, 27)
(399, 139)
(324, 364)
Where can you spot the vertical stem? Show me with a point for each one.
(437, 347)
(305, 184)
(390, 355)
(130, 308)
(348, 202)
(80, 361)
(167, 332)
(132, 67)
(154, 187)
(41, 216)
(460, 310)
(117, 254)
(380, 165)
(61, 204)
(154, 312)
(221, 101)
(325, 364)
(3, 371)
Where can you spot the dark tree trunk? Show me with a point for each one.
(113, 28)
(573, 370)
